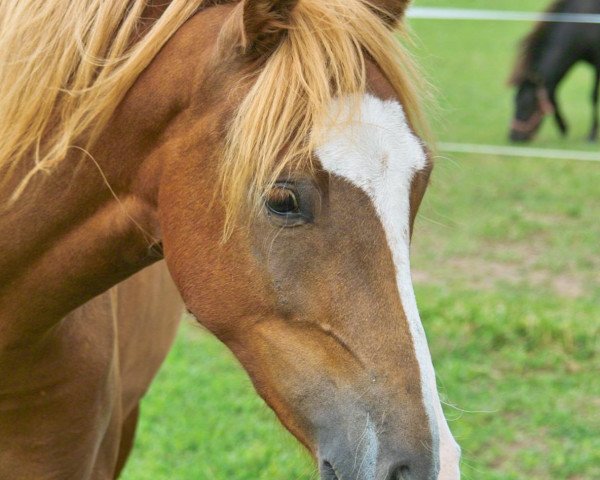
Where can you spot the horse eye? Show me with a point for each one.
(282, 201)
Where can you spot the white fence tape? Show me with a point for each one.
(500, 15)
(519, 151)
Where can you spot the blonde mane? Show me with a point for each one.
(64, 67)
(279, 122)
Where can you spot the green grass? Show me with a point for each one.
(506, 260)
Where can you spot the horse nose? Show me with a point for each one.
(416, 467)
(516, 136)
(403, 446)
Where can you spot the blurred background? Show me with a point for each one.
(506, 264)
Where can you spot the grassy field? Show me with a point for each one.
(506, 263)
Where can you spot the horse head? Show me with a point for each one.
(533, 102)
(298, 142)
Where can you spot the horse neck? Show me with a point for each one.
(70, 239)
(71, 236)
(558, 56)
(92, 221)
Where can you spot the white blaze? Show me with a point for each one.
(368, 463)
(375, 150)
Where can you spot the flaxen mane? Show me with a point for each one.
(64, 67)
(530, 50)
(323, 56)
(67, 64)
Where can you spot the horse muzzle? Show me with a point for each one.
(364, 451)
(524, 130)
(402, 471)
(352, 468)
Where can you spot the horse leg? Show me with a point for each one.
(63, 391)
(593, 136)
(127, 439)
(558, 116)
(59, 415)
(149, 310)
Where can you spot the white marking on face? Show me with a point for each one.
(368, 462)
(375, 150)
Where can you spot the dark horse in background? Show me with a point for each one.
(547, 54)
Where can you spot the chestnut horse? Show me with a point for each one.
(267, 150)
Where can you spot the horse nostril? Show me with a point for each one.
(413, 471)
(328, 472)
(401, 473)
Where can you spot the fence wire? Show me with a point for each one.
(435, 13)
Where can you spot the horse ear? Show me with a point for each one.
(264, 24)
(391, 11)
